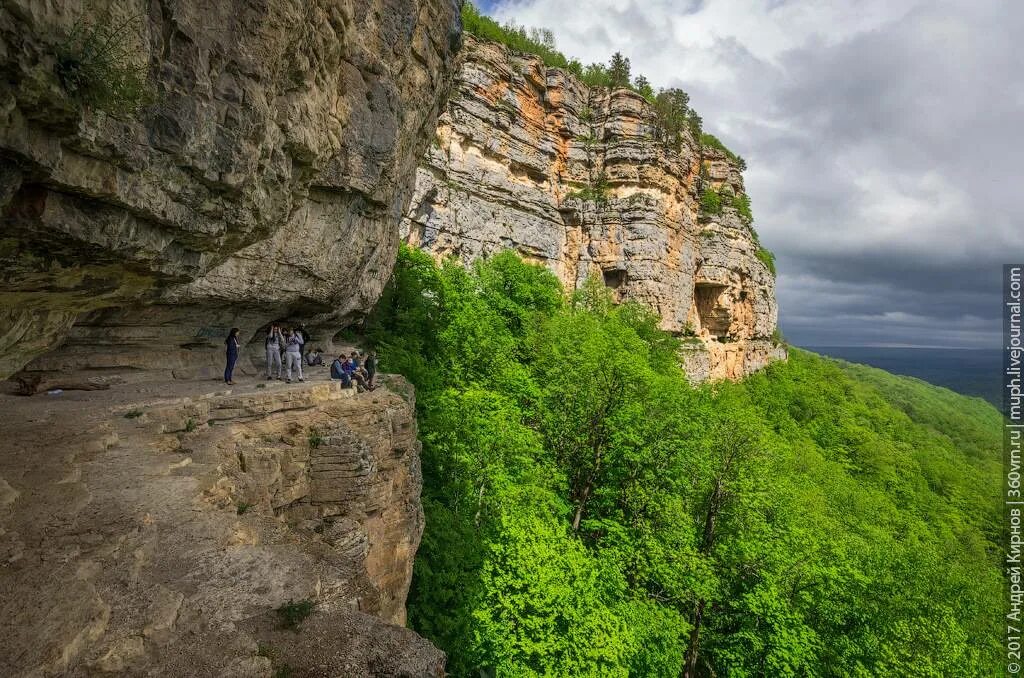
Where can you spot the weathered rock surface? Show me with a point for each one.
(264, 181)
(519, 139)
(153, 529)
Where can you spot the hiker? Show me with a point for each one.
(293, 354)
(371, 368)
(232, 355)
(314, 358)
(338, 371)
(273, 344)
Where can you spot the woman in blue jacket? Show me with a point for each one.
(232, 356)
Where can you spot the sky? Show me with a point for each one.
(884, 141)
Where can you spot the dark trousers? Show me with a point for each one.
(229, 370)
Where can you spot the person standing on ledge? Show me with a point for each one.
(293, 353)
(232, 355)
(274, 342)
(370, 364)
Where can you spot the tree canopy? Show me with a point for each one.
(589, 512)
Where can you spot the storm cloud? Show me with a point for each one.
(883, 139)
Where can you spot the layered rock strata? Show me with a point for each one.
(153, 530)
(263, 179)
(529, 158)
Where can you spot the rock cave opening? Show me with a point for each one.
(714, 317)
(614, 278)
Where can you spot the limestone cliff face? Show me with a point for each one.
(264, 181)
(154, 528)
(516, 146)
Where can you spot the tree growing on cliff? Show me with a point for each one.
(670, 110)
(643, 87)
(618, 71)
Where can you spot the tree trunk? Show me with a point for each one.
(479, 505)
(707, 542)
(586, 489)
(579, 507)
(690, 670)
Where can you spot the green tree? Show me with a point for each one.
(643, 87)
(589, 512)
(671, 107)
(618, 71)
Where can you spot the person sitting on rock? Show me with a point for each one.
(314, 357)
(273, 344)
(351, 368)
(338, 371)
(361, 375)
(293, 353)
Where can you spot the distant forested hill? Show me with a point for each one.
(590, 513)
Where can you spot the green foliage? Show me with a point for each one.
(243, 506)
(671, 115)
(713, 141)
(539, 41)
(643, 87)
(766, 257)
(98, 66)
(741, 202)
(292, 614)
(314, 438)
(596, 190)
(618, 71)
(133, 414)
(710, 201)
(591, 513)
(283, 671)
(190, 425)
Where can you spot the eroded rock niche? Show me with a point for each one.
(264, 179)
(527, 157)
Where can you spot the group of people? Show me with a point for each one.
(287, 343)
(350, 371)
(284, 352)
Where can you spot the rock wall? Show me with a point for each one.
(154, 529)
(263, 180)
(519, 147)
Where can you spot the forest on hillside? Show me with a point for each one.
(589, 512)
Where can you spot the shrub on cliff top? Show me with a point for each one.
(714, 142)
(710, 202)
(539, 41)
(767, 258)
(98, 66)
(741, 202)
